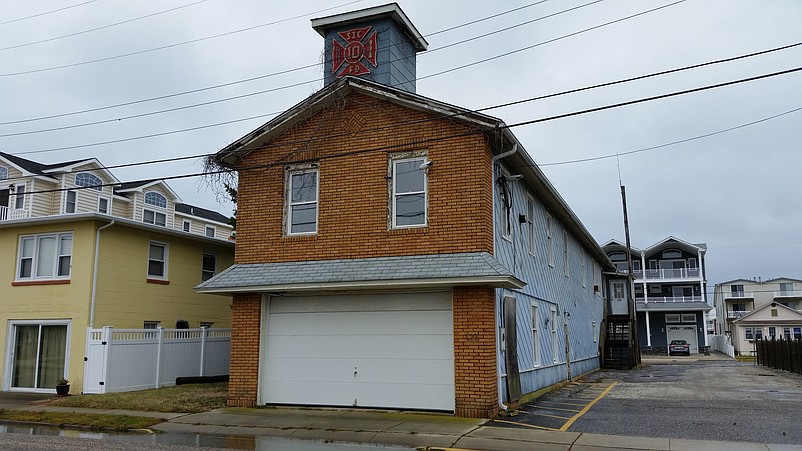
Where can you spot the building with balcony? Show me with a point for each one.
(669, 288)
(738, 299)
(82, 251)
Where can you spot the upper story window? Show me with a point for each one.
(208, 265)
(102, 205)
(210, 231)
(409, 192)
(89, 180)
(672, 253)
(156, 199)
(530, 225)
(19, 196)
(302, 192)
(47, 256)
(566, 262)
(549, 241)
(157, 261)
(71, 202)
(3, 173)
(187, 225)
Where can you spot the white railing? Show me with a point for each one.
(664, 274)
(668, 299)
(788, 294)
(7, 213)
(737, 314)
(739, 295)
(120, 360)
(721, 343)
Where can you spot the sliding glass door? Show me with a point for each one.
(39, 355)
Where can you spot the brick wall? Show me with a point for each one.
(354, 189)
(475, 370)
(246, 313)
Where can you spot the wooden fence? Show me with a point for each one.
(781, 354)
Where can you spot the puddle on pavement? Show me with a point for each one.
(204, 440)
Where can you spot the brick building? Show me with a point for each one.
(399, 252)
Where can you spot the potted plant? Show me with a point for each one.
(62, 386)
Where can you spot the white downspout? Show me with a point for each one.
(94, 274)
(498, 343)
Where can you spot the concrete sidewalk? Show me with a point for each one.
(415, 430)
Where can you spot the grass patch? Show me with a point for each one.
(745, 358)
(93, 421)
(192, 398)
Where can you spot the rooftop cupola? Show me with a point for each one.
(378, 43)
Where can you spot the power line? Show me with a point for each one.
(46, 13)
(283, 72)
(102, 27)
(168, 46)
(457, 135)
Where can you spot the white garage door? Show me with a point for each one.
(687, 333)
(379, 350)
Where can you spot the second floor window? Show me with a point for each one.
(45, 256)
(156, 199)
(157, 261)
(302, 195)
(154, 217)
(209, 265)
(210, 231)
(103, 205)
(409, 192)
(72, 201)
(89, 180)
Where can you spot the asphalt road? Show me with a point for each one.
(704, 399)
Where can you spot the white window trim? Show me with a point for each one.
(67, 201)
(35, 257)
(206, 231)
(186, 225)
(531, 232)
(96, 186)
(166, 261)
(549, 240)
(290, 204)
(108, 204)
(555, 348)
(145, 200)
(155, 215)
(566, 257)
(216, 263)
(584, 269)
(17, 196)
(394, 195)
(536, 361)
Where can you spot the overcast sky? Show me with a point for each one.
(739, 191)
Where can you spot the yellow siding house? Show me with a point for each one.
(86, 250)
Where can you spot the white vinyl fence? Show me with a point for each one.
(721, 343)
(120, 360)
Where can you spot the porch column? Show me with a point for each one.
(246, 317)
(475, 367)
(648, 331)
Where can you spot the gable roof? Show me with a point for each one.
(24, 165)
(141, 185)
(788, 316)
(502, 139)
(422, 271)
(671, 241)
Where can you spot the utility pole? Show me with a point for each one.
(634, 353)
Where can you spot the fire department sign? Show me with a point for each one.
(357, 49)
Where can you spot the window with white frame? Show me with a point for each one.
(583, 269)
(102, 205)
(787, 333)
(749, 333)
(208, 265)
(154, 217)
(566, 264)
(47, 256)
(302, 201)
(549, 241)
(157, 261)
(88, 180)
(593, 328)
(210, 231)
(71, 202)
(673, 318)
(688, 317)
(758, 333)
(531, 232)
(3, 173)
(156, 199)
(19, 196)
(187, 225)
(535, 335)
(772, 332)
(409, 190)
(151, 324)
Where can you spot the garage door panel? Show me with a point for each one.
(400, 346)
(357, 303)
(687, 333)
(372, 371)
(370, 323)
(343, 346)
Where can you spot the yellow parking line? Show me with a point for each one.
(527, 425)
(556, 408)
(587, 407)
(563, 403)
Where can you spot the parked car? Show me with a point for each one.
(679, 347)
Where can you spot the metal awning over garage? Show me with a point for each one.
(407, 272)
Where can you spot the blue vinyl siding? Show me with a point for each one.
(547, 286)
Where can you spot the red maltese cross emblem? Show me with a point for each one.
(357, 49)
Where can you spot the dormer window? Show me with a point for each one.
(89, 180)
(156, 199)
(154, 217)
(3, 173)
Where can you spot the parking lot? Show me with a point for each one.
(705, 398)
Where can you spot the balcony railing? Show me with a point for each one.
(739, 295)
(663, 274)
(788, 294)
(670, 299)
(8, 213)
(737, 314)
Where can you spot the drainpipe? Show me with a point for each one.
(498, 344)
(94, 274)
